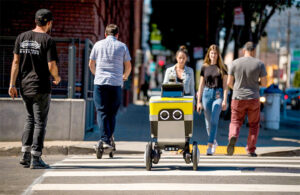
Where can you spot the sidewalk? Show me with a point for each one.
(133, 132)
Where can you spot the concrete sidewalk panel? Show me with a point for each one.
(12, 119)
(66, 119)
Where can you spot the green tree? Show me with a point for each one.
(257, 15)
(199, 22)
(296, 81)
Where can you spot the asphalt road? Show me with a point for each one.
(15, 179)
(126, 174)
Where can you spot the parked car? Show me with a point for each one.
(295, 101)
(289, 93)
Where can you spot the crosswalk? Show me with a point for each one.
(126, 174)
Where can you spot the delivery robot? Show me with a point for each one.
(171, 125)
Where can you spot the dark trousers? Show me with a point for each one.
(107, 101)
(37, 108)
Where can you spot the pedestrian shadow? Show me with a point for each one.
(200, 168)
(166, 168)
(92, 167)
(154, 168)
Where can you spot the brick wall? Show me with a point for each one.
(72, 18)
(78, 19)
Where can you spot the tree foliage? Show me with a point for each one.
(296, 81)
(199, 23)
(257, 15)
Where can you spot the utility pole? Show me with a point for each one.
(288, 64)
(207, 23)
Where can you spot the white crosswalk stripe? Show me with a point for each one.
(177, 159)
(77, 173)
(156, 173)
(173, 164)
(169, 187)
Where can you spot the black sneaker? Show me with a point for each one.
(38, 163)
(25, 159)
(230, 146)
(252, 154)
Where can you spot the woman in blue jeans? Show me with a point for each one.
(212, 94)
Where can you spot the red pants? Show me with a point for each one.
(239, 108)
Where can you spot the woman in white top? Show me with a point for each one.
(181, 72)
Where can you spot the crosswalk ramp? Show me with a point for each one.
(126, 174)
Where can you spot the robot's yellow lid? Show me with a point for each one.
(159, 99)
(158, 103)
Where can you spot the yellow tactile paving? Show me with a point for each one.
(222, 149)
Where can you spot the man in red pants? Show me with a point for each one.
(244, 77)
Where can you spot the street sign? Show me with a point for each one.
(295, 62)
(239, 17)
(155, 36)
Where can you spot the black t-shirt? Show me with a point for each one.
(212, 76)
(35, 50)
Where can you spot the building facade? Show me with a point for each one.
(74, 22)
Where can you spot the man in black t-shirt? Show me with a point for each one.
(34, 61)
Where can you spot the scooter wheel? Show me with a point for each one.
(111, 155)
(99, 151)
(148, 156)
(195, 156)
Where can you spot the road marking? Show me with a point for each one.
(169, 187)
(180, 159)
(35, 182)
(286, 139)
(164, 173)
(172, 164)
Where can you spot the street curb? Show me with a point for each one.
(62, 150)
(10, 151)
(75, 150)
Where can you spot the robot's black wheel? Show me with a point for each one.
(148, 156)
(187, 158)
(195, 157)
(156, 156)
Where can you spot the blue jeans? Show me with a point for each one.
(212, 105)
(37, 108)
(107, 101)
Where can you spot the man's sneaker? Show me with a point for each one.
(107, 145)
(25, 159)
(214, 147)
(252, 154)
(209, 151)
(38, 163)
(230, 146)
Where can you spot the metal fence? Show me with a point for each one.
(76, 78)
(70, 66)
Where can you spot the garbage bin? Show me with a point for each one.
(272, 107)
